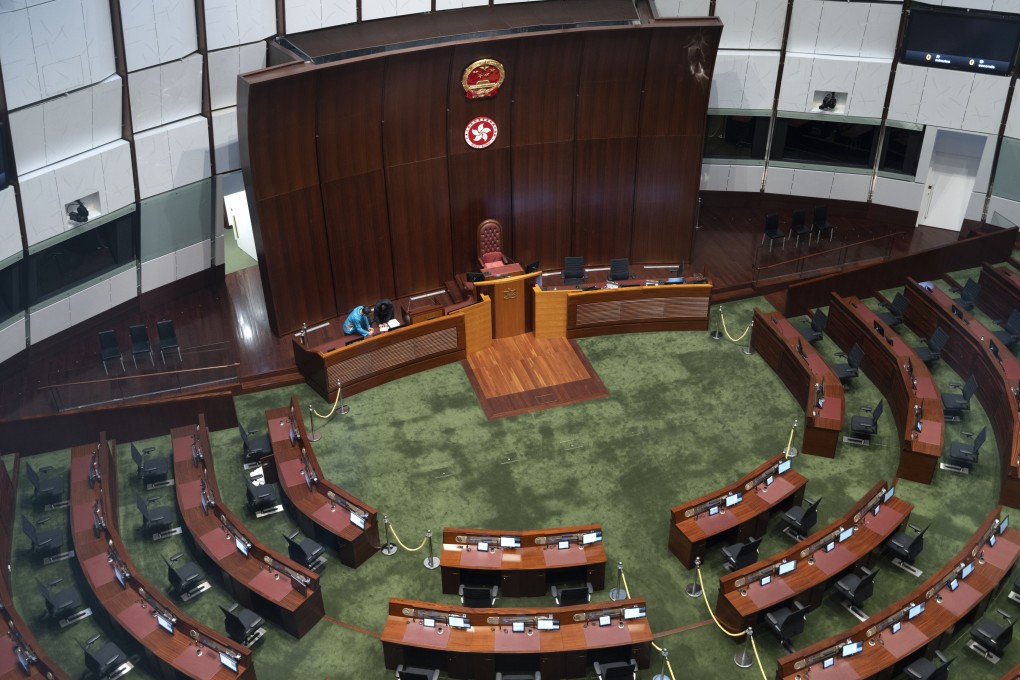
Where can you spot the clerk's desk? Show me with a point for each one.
(946, 613)
(513, 299)
(265, 581)
(191, 650)
(967, 352)
(743, 601)
(809, 379)
(490, 645)
(527, 571)
(321, 508)
(886, 361)
(1000, 291)
(693, 526)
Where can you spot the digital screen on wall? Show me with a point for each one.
(982, 42)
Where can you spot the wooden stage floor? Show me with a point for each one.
(524, 373)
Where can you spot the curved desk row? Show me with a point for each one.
(743, 599)
(262, 580)
(1000, 291)
(902, 377)
(706, 520)
(904, 631)
(322, 509)
(583, 634)
(967, 351)
(809, 379)
(124, 594)
(542, 558)
(21, 655)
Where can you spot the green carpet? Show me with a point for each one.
(686, 415)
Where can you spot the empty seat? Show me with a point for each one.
(801, 518)
(740, 555)
(846, 372)
(154, 520)
(261, 497)
(48, 488)
(856, 588)
(566, 596)
(993, 636)
(167, 339)
(109, 349)
(573, 270)
(478, 596)
(45, 542)
(924, 669)
(140, 343)
(813, 333)
(787, 622)
(957, 404)
(619, 269)
(969, 294)
(62, 603)
(150, 469)
(897, 308)
(820, 225)
(799, 226)
(907, 547)
(772, 232)
(183, 578)
(241, 624)
(616, 670)
(965, 455)
(103, 661)
(864, 427)
(305, 552)
(254, 447)
(932, 350)
(1010, 333)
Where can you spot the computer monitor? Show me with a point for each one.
(118, 574)
(889, 494)
(547, 624)
(714, 510)
(918, 424)
(875, 510)
(23, 662)
(165, 623)
(357, 520)
(991, 540)
(895, 628)
(1003, 525)
(517, 626)
(591, 537)
(483, 546)
(241, 545)
(509, 542)
(784, 466)
(765, 580)
(845, 534)
(475, 277)
(604, 620)
(733, 499)
(428, 622)
(967, 569)
(786, 567)
(769, 480)
(829, 546)
(954, 584)
(563, 545)
(458, 621)
(633, 613)
(851, 649)
(228, 661)
(915, 611)
(827, 663)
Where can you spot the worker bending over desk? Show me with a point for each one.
(357, 322)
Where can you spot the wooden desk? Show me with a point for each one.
(322, 509)
(490, 646)
(967, 352)
(573, 313)
(803, 370)
(265, 581)
(743, 601)
(513, 302)
(886, 357)
(132, 606)
(945, 614)
(1000, 291)
(527, 571)
(692, 528)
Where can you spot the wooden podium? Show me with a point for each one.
(513, 299)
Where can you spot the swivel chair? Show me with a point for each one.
(63, 604)
(140, 344)
(799, 226)
(253, 447)
(855, 589)
(932, 350)
(786, 622)
(989, 638)
(846, 372)
(820, 225)
(1009, 336)
(813, 333)
(46, 542)
(955, 405)
(905, 548)
(969, 294)
(962, 456)
(49, 489)
(616, 670)
(154, 520)
(619, 269)
(573, 271)
(898, 307)
(261, 498)
(105, 660)
(478, 596)
(243, 625)
(412, 673)
(305, 552)
(567, 596)
(801, 518)
(150, 470)
(740, 555)
(167, 339)
(109, 350)
(924, 669)
(862, 428)
(185, 578)
(772, 232)
(490, 244)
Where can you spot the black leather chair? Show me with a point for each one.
(865, 427)
(261, 497)
(820, 225)
(566, 596)
(964, 455)
(44, 543)
(932, 349)
(907, 547)
(813, 333)
(848, 371)
(150, 469)
(1009, 336)
(154, 520)
(616, 670)
(856, 588)
(619, 269)
(897, 308)
(241, 624)
(167, 339)
(573, 270)
(969, 294)
(924, 669)
(183, 578)
(955, 405)
(799, 226)
(109, 349)
(305, 552)
(412, 673)
(801, 518)
(48, 488)
(772, 231)
(62, 603)
(740, 555)
(478, 596)
(993, 636)
(140, 344)
(787, 622)
(104, 660)
(254, 446)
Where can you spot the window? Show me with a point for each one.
(901, 150)
(736, 136)
(11, 301)
(6, 169)
(824, 142)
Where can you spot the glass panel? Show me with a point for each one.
(824, 142)
(177, 219)
(734, 136)
(11, 294)
(1007, 173)
(902, 149)
(6, 169)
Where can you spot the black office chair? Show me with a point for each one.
(616, 670)
(801, 518)
(786, 622)
(740, 555)
(1009, 336)
(897, 308)
(799, 226)
(184, 578)
(167, 339)
(848, 371)
(813, 333)
(965, 456)
(532, 267)
(305, 552)
(154, 520)
(262, 497)
(412, 673)
(242, 625)
(48, 488)
(865, 427)
(955, 405)
(62, 604)
(140, 343)
(573, 270)
(820, 225)
(44, 543)
(924, 669)
(478, 596)
(772, 231)
(855, 588)
(932, 350)
(537, 675)
(567, 596)
(103, 661)
(109, 349)
(906, 547)
(150, 470)
(619, 269)
(991, 636)
(254, 447)
(969, 294)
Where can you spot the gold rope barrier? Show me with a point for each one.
(786, 451)
(332, 410)
(401, 543)
(626, 589)
(722, 318)
(754, 646)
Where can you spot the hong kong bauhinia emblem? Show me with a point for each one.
(480, 132)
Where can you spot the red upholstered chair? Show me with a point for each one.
(490, 244)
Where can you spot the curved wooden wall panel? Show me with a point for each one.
(598, 154)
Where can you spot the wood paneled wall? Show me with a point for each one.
(361, 185)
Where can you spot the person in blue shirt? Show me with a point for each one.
(357, 322)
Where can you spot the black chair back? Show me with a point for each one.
(109, 345)
(818, 321)
(821, 216)
(573, 269)
(855, 357)
(979, 440)
(772, 225)
(619, 269)
(797, 219)
(167, 334)
(969, 388)
(877, 413)
(29, 529)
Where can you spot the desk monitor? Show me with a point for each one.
(991, 540)
(895, 628)
(784, 466)
(458, 621)
(483, 546)
(604, 620)
(357, 520)
(765, 580)
(714, 510)
(475, 277)
(292, 433)
(918, 424)
(967, 569)
(118, 574)
(428, 622)
(829, 546)
(563, 545)
(875, 510)
(165, 623)
(889, 494)
(548, 624)
(228, 661)
(591, 537)
(914, 611)
(954, 584)
(517, 626)
(733, 499)
(845, 534)
(241, 545)
(769, 480)
(878, 328)
(786, 567)
(23, 662)
(1003, 525)
(509, 542)
(633, 613)
(851, 649)
(827, 663)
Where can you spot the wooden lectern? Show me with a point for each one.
(513, 299)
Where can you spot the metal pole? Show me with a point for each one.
(342, 409)
(388, 547)
(743, 657)
(431, 562)
(662, 673)
(717, 333)
(791, 450)
(693, 589)
(314, 436)
(747, 350)
(618, 593)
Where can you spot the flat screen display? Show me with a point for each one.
(889, 494)
(875, 510)
(967, 569)
(509, 542)
(548, 624)
(517, 626)
(592, 537)
(914, 611)
(604, 620)
(714, 510)
(786, 567)
(954, 584)
(769, 480)
(228, 661)
(765, 580)
(829, 546)
(165, 623)
(896, 627)
(991, 540)
(458, 621)
(784, 466)
(119, 575)
(242, 547)
(563, 545)
(845, 534)
(1003, 525)
(851, 649)
(428, 623)
(483, 546)
(633, 613)
(828, 662)
(982, 42)
(23, 662)
(357, 520)
(733, 499)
